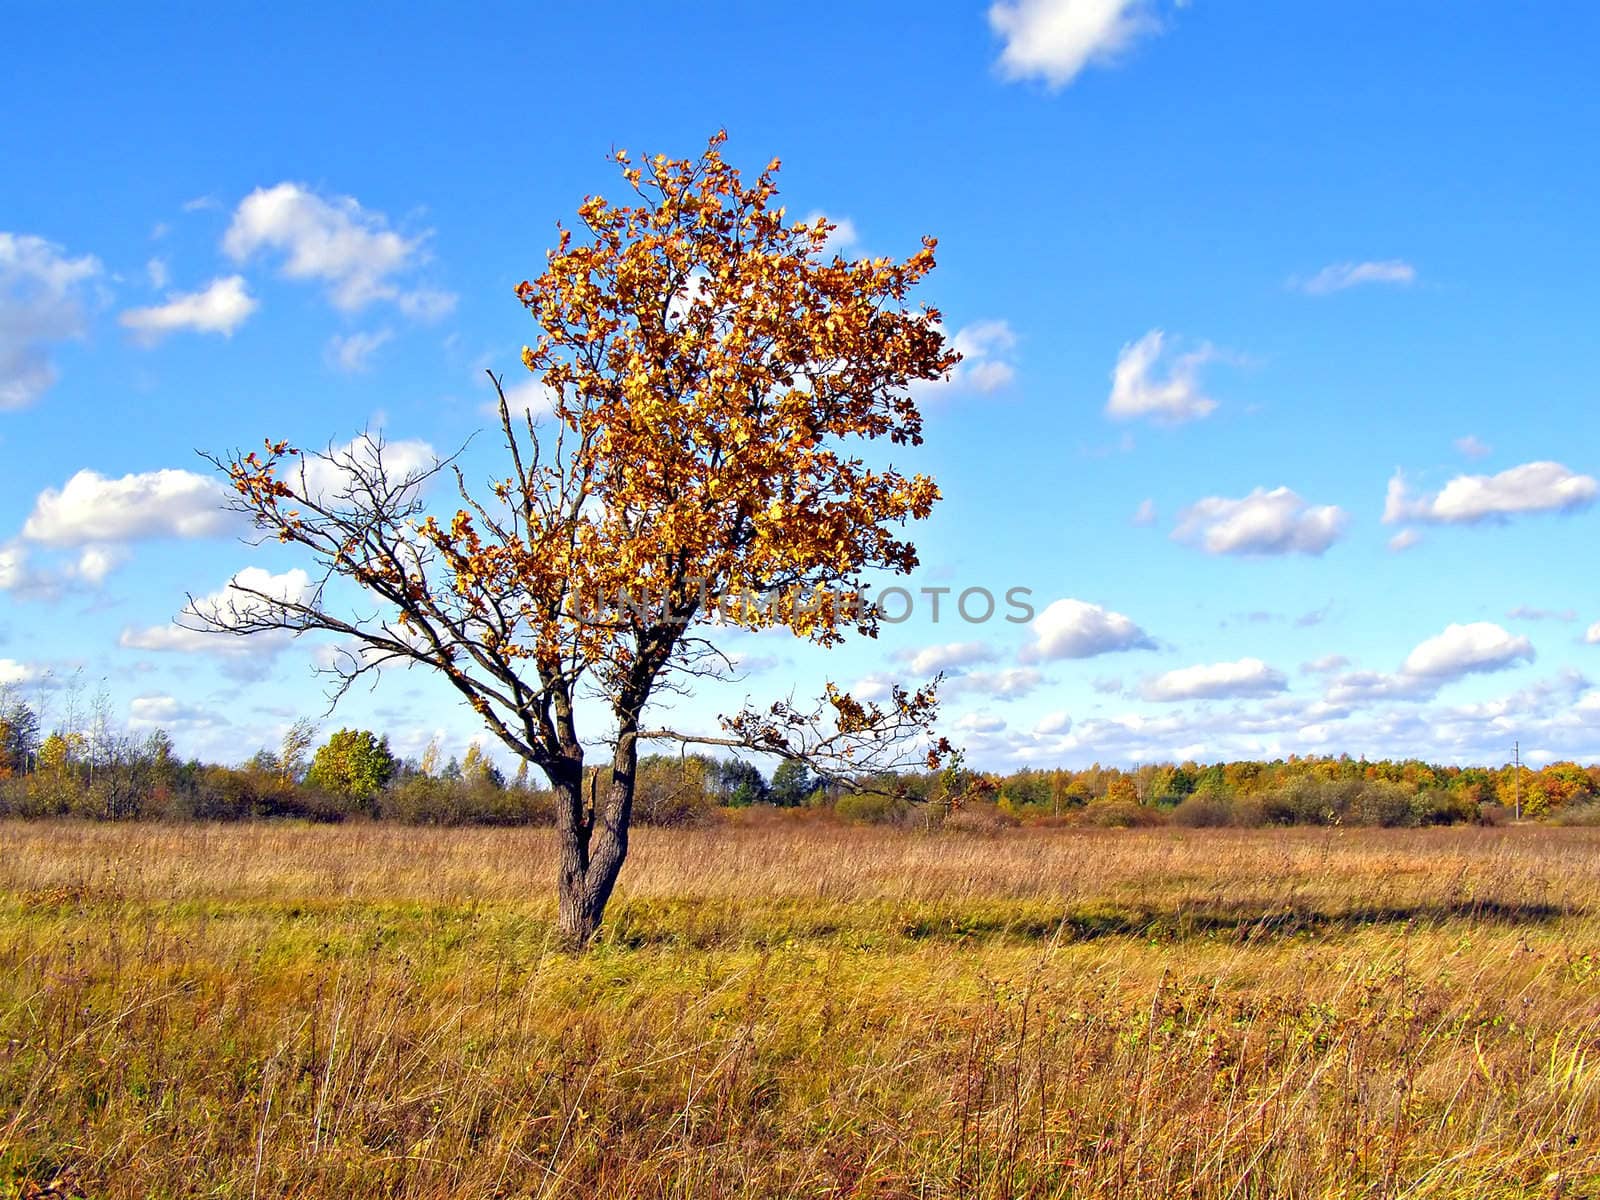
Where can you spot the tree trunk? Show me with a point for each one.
(593, 847)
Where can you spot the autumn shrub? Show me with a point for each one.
(1436, 806)
(1202, 812)
(979, 817)
(1125, 814)
(1380, 803)
(37, 796)
(1493, 814)
(1585, 816)
(870, 808)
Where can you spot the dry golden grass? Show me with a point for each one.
(801, 1009)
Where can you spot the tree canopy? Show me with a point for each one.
(712, 375)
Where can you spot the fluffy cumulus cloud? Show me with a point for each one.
(219, 308)
(329, 474)
(952, 655)
(250, 592)
(92, 508)
(1465, 650)
(986, 349)
(980, 722)
(24, 579)
(1339, 276)
(1053, 723)
(94, 563)
(1592, 635)
(1055, 40)
(1467, 499)
(525, 399)
(1210, 681)
(1139, 388)
(335, 242)
(844, 241)
(1477, 648)
(1077, 629)
(14, 673)
(1275, 522)
(42, 303)
(1473, 446)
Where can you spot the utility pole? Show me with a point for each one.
(1516, 778)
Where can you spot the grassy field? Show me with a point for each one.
(801, 1009)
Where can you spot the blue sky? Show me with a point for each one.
(1281, 386)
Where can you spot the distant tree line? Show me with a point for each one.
(95, 771)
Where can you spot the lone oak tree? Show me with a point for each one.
(705, 363)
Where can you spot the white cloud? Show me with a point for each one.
(1246, 677)
(25, 581)
(335, 242)
(96, 562)
(1057, 39)
(93, 508)
(156, 269)
(876, 686)
(14, 569)
(1467, 649)
(1275, 522)
(1076, 629)
(1472, 446)
(181, 639)
(1339, 276)
(986, 360)
(1460, 650)
(932, 659)
(1146, 513)
(843, 239)
(1532, 487)
(328, 476)
(350, 652)
(527, 398)
(1053, 723)
(1137, 391)
(13, 672)
(1404, 540)
(981, 723)
(221, 307)
(41, 303)
(168, 712)
(351, 353)
(1592, 634)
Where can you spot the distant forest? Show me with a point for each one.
(106, 775)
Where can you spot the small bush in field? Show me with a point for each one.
(1124, 814)
(1202, 812)
(870, 808)
(978, 817)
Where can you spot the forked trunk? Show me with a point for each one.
(593, 846)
